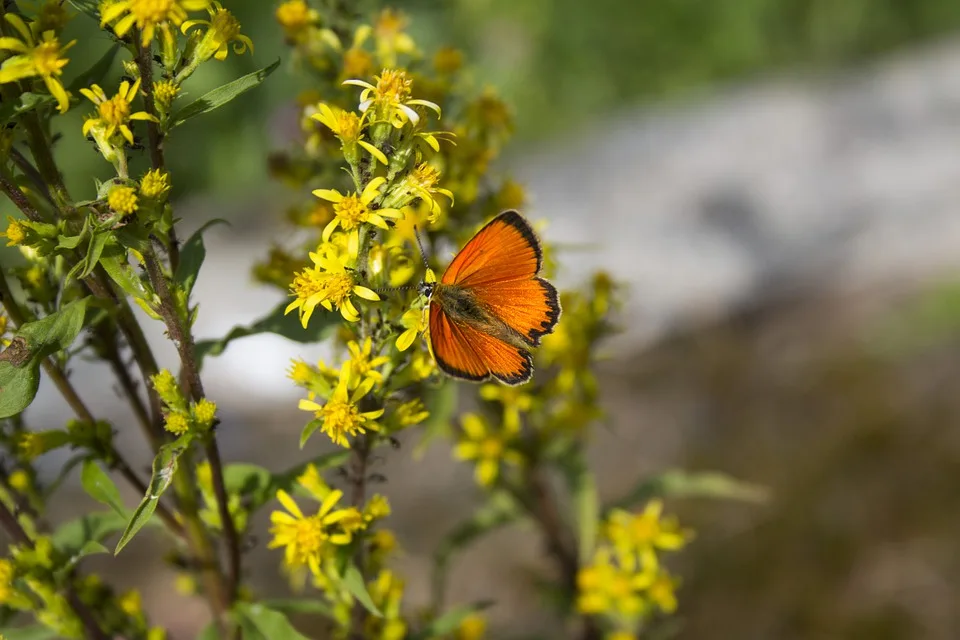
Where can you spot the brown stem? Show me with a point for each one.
(9, 523)
(180, 333)
(358, 480)
(43, 155)
(19, 198)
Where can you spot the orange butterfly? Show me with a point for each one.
(490, 308)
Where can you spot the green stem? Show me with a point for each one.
(19, 198)
(46, 165)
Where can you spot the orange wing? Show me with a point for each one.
(505, 249)
(464, 352)
(529, 307)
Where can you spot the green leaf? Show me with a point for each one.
(33, 632)
(449, 622)
(299, 605)
(222, 95)
(89, 7)
(26, 102)
(74, 535)
(164, 467)
(114, 261)
(586, 503)
(210, 632)
(100, 487)
(308, 430)
(500, 510)
(677, 483)
(34, 341)
(192, 255)
(99, 70)
(269, 623)
(276, 322)
(353, 581)
(94, 251)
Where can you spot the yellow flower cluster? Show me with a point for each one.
(181, 417)
(625, 582)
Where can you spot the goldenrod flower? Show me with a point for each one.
(513, 400)
(50, 15)
(329, 284)
(122, 199)
(32, 58)
(131, 603)
(165, 384)
(472, 627)
(113, 113)
(15, 233)
(421, 183)
(362, 366)
(205, 412)
(352, 210)
(347, 126)
(447, 60)
(390, 37)
(304, 538)
(315, 485)
(222, 29)
(377, 507)
(177, 424)
(662, 592)
(390, 98)
(411, 412)
(7, 572)
(164, 93)
(486, 447)
(19, 479)
(637, 536)
(340, 417)
(386, 591)
(604, 588)
(300, 372)
(155, 184)
(148, 16)
(296, 17)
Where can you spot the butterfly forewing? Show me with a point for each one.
(505, 249)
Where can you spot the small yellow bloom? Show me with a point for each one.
(205, 412)
(340, 417)
(377, 507)
(51, 15)
(20, 480)
(487, 448)
(447, 60)
(605, 588)
(352, 210)
(415, 321)
(411, 412)
(663, 592)
(390, 37)
(177, 424)
(300, 372)
(148, 16)
(304, 538)
(113, 114)
(131, 603)
(166, 386)
(296, 18)
(636, 536)
(155, 184)
(7, 573)
(315, 485)
(329, 284)
(472, 627)
(390, 98)
(222, 29)
(347, 126)
(421, 183)
(15, 233)
(513, 400)
(32, 58)
(362, 366)
(164, 93)
(123, 199)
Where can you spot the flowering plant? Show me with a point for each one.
(394, 142)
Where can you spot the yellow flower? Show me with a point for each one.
(222, 29)
(177, 424)
(352, 210)
(347, 126)
(377, 507)
(383, 541)
(15, 233)
(447, 60)
(415, 321)
(391, 40)
(315, 485)
(32, 58)
(340, 417)
(421, 183)
(7, 572)
(166, 386)
(296, 17)
(164, 93)
(304, 538)
(148, 16)
(122, 199)
(362, 366)
(131, 603)
(327, 283)
(51, 15)
(513, 401)
(113, 113)
(662, 592)
(636, 536)
(205, 412)
(155, 183)
(472, 627)
(604, 588)
(412, 412)
(390, 98)
(20, 480)
(300, 372)
(488, 448)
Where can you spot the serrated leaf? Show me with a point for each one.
(353, 581)
(100, 487)
(34, 341)
(286, 325)
(269, 623)
(33, 632)
(222, 95)
(96, 73)
(164, 468)
(88, 7)
(191, 256)
(677, 483)
(449, 622)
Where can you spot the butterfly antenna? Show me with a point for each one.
(423, 254)
(405, 287)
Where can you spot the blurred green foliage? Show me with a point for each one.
(561, 63)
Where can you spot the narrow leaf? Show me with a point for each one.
(222, 95)
(74, 535)
(100, 487)
(98, 71)
(286, 325)
(449, 622)
(26, 102)
(88, 7)
(164, 467)
(94, 251)
(353, 581)
(269, 623)
(192, 255)
(299, 605)
(114, 261)
(685, 484)
(33, 632)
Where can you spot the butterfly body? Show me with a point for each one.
(490, 307)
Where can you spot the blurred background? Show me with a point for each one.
(777, 182)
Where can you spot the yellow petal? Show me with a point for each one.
(376, 153)
(288, 503)
(365, 293)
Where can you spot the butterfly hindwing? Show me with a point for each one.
(529, 307)
(505, 249)
(464, 352)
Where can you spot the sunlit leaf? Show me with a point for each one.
(222, 95)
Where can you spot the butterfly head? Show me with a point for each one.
(425, 289)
